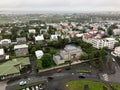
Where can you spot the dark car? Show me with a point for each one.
(67, 68)
(81, 76)
(50, 78)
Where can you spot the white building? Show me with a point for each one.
(100, 43)
(109, 42)
(39, 38)
(21, 50)
(117, 51)
(39, 54)
(32, 31)
(69, 53)
(5, 42)
(2, 54)
(116, 31)
(54, 37)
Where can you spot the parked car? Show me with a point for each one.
(50, 78)
(59, 70)
(81, 76)
(22, 83)
(27, 89)
(67, 68)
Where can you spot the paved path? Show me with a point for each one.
(3, 85)
(112, 77)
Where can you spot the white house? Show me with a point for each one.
(2, 54)
(39, 38)
(116, 31)
(39, 54)
(79, 35)
(32, 31)
(21, 50)
(54, 37)
(117, 51)
(5, 42)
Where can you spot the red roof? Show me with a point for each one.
(89, 36)
(101, 35)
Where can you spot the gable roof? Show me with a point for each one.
(8, 67)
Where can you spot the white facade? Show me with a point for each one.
(54, 37)
(2, 52)
(32, 31)
(5, 41)
(39, 54)
(116, 31)
(100, 43)
(20, 46)
(39, 38)
(117, 51)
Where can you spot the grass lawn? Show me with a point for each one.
(83, 71)
(116, 86)
(79, 85)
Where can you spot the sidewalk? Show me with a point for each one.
(3, 85)
(74, 63)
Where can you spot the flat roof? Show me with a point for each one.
(20, 46)
(70, 47)
(58, 57)
(38, 52)
(40, 37)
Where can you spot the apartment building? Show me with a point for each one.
(100, 43)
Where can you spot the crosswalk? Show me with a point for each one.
(105, 76)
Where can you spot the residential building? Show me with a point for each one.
(116, 31)
(5, 42)
(69, 53)
(39, 54)
(32, 31)
(2, 55)
(43, 31)
(109, 42)
(117, 51)
(21, 40)
(39, 38)
(58, 59)
(13, 67)
(21, 50)
(100, 43)
(54, 37)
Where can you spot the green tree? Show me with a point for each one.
(47, 60)
(38, 64)
(84, 56)
(32, 51)
(110, 29)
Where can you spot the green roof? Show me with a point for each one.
(8, 67)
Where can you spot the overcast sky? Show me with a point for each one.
(59, 5)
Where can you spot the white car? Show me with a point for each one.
(22, 83)
(27, 89)
(37, 88)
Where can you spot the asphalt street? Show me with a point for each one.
(58, 77)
